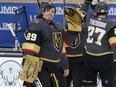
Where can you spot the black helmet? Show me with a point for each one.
(101, 8)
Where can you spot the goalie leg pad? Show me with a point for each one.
(31, 67)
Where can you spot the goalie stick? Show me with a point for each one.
(38, 83)
(17, 44)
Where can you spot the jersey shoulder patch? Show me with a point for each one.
(36, 21)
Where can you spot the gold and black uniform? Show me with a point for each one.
(45, 41)
(100, 50)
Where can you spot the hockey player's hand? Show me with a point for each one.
(66, 72)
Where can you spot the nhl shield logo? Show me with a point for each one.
(57, 40)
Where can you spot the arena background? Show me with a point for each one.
(18, 14)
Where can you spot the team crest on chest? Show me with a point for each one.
(76, 42)
(57, 40)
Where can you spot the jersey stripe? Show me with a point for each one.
(29, 47)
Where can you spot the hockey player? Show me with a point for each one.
(100, 47)
(43, 51)
(75, 56)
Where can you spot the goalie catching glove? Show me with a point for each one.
(73, 18)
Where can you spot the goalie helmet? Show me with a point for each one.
(101, 8)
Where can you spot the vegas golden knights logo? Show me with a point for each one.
(76, 42)
(57, 40)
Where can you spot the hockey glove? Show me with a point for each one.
(73, 18)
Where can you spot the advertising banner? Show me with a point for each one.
(8, 16)
(10, 69)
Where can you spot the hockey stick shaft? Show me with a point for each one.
(11, 29)
(17, 44)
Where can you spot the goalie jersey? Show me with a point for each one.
(101, 35)
(44, 40)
